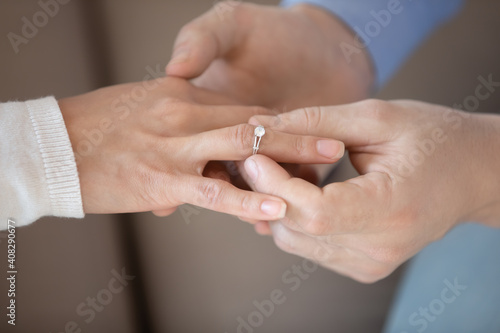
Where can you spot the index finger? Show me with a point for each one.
(360, 123)
(223, 197)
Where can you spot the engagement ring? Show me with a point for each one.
(259, 133)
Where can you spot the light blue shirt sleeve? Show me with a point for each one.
(390, 29)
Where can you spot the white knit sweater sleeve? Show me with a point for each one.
(38, 173)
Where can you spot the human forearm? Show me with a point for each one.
(486, 174)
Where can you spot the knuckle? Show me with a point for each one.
(182, 123)
(167, 106)
(149, 183)
(241, 136)
(174, 111)
(300, 146)
(246, 203)
(312, 117)
(209, 194)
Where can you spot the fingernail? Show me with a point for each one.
(274, 209)
(252, 170)
(180, 55)
(330, 148)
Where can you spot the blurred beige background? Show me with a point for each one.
(196, 271)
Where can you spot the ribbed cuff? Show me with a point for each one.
(63, 184)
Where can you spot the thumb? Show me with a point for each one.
(266, 176)
(203, 40)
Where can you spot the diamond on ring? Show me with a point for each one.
(259, 133)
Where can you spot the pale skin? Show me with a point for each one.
(366, 227)
(363, 228)
(278, 58)
(270, 56)
(424, 169)
(156, 140)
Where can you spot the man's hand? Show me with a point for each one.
(270, 56)
(424, 168)
(144, 147)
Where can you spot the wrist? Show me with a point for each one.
(357, 72)
(485, 174)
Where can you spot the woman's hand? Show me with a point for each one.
(424, 168)
(270, 56)
(144, 147)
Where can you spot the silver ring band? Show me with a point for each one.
(258, 134)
